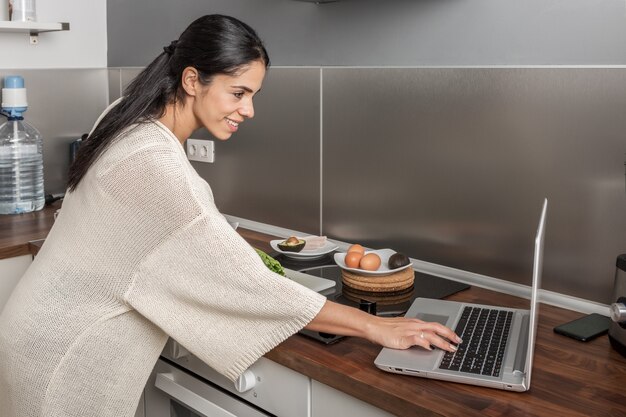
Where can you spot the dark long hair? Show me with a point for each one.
(213, 44)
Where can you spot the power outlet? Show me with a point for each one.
(200, 150)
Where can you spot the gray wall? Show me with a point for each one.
(63, 104)
(389, 32)
(449, 165)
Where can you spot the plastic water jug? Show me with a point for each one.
(21, 154)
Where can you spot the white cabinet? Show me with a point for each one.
(329, 402)
(11, 270)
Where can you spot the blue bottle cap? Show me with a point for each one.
(13, 81)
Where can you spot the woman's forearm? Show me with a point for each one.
(396, 332)
(340, 319)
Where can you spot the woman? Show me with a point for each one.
(140, 252)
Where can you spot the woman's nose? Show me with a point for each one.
(247, 111)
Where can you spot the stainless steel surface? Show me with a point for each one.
(617, 327)
(389, 32)
(269, 171)
(450, 165)
(447, 165)
(127, 75)
(62, 104)
(114, 76)
(618, 312)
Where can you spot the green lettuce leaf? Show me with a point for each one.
(270, 262)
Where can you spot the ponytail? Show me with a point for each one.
(213, 44)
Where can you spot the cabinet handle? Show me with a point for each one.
(165, 382)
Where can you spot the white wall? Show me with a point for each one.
(83, 46)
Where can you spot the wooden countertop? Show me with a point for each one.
(569, 378)
(17, 230)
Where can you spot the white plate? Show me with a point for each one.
(384, 254)
(304, 254)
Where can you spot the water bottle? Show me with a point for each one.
(21, 154)
(24, 11)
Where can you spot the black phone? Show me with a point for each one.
(585, 328)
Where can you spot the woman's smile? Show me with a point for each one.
(232, 125)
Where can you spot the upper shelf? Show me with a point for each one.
(33, 28)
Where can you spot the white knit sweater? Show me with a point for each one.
(138, 253)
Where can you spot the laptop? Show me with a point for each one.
(498, 343)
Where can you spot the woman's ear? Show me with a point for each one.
(190, 82)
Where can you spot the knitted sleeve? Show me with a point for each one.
(201, 282)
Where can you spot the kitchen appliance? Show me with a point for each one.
(617, 329)
(183, 386)
(389, 305)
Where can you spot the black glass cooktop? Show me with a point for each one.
(381, 304)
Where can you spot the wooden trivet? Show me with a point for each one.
(380, 298)
(397, 281)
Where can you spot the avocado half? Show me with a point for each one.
(293, 244)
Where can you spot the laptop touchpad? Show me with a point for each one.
(433, 317)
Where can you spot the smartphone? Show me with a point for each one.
(585, 328)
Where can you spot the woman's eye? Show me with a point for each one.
(238, 94)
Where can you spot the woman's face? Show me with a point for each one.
(227, 101)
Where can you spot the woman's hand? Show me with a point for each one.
(396, 333)
(402, 333)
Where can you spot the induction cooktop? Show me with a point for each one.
(386, 305)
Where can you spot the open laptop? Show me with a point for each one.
(501, 353)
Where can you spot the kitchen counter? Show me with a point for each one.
(18, 230)
(569, 377)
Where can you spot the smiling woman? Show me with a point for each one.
(219, 106)
(207, 77)
(139, 251)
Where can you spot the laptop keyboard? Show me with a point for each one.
(485, 333)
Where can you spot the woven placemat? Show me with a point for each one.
(380, 298)
(397, 281)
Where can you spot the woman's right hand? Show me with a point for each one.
(403, 333)
(395, 333)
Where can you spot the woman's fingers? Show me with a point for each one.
(434, 340)
(425, 334)
(442, 331)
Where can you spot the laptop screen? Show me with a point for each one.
(534, 297)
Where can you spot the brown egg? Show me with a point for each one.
(370, 262)
(352, 259)
(357, 248)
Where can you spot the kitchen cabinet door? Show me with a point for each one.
(11, 270)
(327, 401)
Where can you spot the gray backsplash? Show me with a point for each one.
(388, 32)
(62, 105)
(449, 165)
